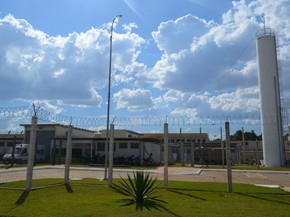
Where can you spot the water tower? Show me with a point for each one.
(273, 146)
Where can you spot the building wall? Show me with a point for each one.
(122, 134)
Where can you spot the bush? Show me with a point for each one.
(140, 188)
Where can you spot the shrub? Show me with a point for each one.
(140, 188)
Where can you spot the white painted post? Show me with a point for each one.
(181, 148)
(192, 154)
(31, 154)
(243, 142)
(68, 154)
(229, 158)
(222, 147)
(166, 156)
(111, 156)
(142, 153)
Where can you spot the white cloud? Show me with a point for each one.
(201, 56)
(243, 100)
(186, 112)
(71, 69)
(135, 100)
(175, 35)
(173, 96)
(204, 67)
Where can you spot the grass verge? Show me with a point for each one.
(90, 197)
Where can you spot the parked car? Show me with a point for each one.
(21, 154)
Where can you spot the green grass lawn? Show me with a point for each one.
(91, 197)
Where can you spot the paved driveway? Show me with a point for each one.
(261, 177)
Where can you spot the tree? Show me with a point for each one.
(248, 136)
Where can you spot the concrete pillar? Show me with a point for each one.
(229, 158)
(142, 153)
(166, 156)
(68, 154)
(222, 147)
(31, 154)
(192, 154)
(111, 156)
(243, 144)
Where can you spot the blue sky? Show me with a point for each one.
(171, 58)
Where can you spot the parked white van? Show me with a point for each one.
(21, 154)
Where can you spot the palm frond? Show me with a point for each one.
(140, 187)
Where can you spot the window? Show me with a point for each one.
(2, 144)
(10, 144)
(123, 145)
(24, 151)
(101, 147)
(88, 151)
(76, 152)
(134, 145)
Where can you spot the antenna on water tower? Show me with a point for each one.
(264, 21)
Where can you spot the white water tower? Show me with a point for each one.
(273, 146)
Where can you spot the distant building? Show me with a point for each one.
(148, 148)
(7, 141)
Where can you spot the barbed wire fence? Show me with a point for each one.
(208, 121)
(45, 115)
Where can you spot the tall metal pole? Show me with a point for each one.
(109, 97)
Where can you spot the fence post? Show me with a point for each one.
(192, 154)
(165, 156)
(111, 156)
(31, 154)
(229, 158)
(68, 154)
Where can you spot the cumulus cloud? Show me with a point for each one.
(200, 66)
(136, 99)
(201, 56)
(71, 69)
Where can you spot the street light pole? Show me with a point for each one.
(109, 98)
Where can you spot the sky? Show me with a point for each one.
(170, 58)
